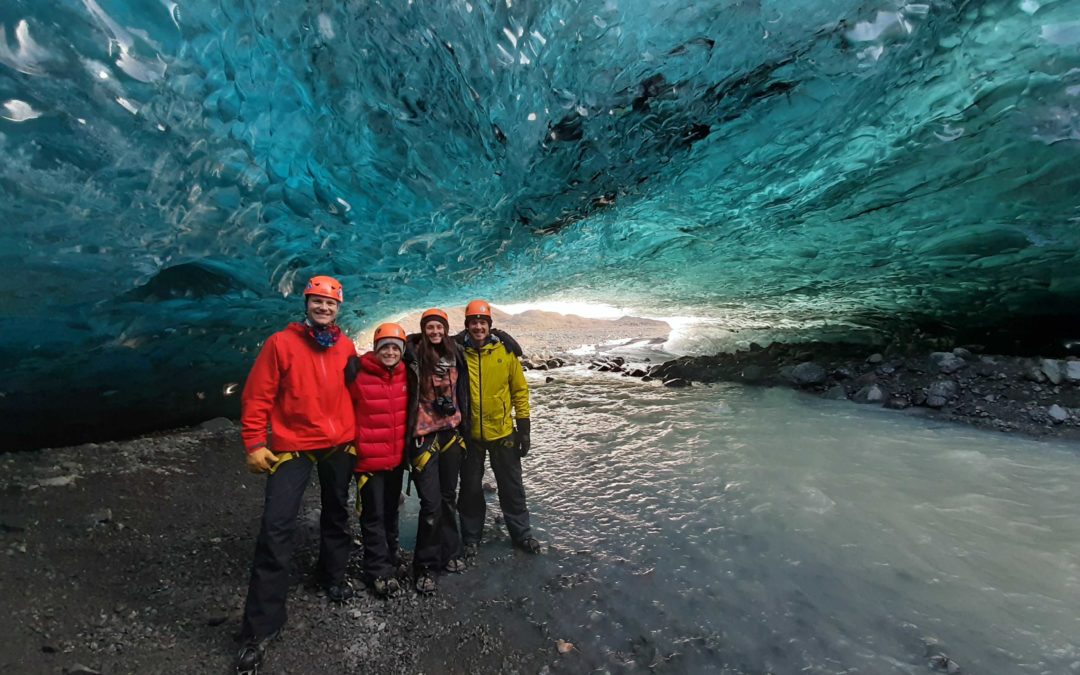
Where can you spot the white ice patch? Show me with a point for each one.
(19, 111)
(1062, 34)
(127, 105)
(326, 26)
(28, 57)
(138, 68)
(884, 25)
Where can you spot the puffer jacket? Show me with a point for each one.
(381, 404)
(496, 386)
(296, 390)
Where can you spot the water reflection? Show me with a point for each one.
(731, 530)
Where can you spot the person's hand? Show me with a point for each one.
(524, 441)
(260, 460)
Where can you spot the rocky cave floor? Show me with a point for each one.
(132, 557)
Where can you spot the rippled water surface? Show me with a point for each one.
(724, 529)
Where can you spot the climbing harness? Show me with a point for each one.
(283, 457)
(433, 448)
(361, 481)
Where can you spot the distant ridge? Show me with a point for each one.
(541, 332)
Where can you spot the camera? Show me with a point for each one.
(444, 405)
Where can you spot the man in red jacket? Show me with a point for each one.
(296, 390)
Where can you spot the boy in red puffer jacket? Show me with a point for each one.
(378, 384)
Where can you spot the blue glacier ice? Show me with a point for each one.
(173, 171)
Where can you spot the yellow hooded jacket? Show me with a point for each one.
(496, 385)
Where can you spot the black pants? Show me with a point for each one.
(379, 500)
(264, 611)
(437, 540)
(506, 464)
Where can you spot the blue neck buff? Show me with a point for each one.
(324, 336)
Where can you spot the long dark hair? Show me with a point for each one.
(428, 356)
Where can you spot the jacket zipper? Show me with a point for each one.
(480, 384)
(326, 378)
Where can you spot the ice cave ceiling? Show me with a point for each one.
(172, 171)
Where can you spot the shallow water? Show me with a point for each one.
(731, 529)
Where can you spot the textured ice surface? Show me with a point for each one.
(172, 171)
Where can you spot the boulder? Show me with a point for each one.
(1072, 371)
(946, 362)
(638, 372)
(1057, 413)
(217, 424)
(963, 353)
(553, 363)
(943, 388)
(933, 401)
(1052, 369)
(660, 369)
(836, 393)
(1035, 374)
(676, 383)
(897, 403)
(871, 393)
(875, 358)
(807, 374)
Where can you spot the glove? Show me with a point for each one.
(260, 460)
(352, 368)
(524, 442)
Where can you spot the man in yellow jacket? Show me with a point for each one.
(496, 387)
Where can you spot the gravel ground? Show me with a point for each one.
(132, 557)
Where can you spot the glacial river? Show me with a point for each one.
(744, 530)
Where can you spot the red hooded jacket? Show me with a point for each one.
(298, 390)
(381, 403)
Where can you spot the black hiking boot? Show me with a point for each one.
(426, 584)
(529, 545)
(386, 587)
(250, 656)
(339, 593)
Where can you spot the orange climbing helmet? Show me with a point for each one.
(326, 287)
(389, 331)
(436, 314)
(479, 308)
